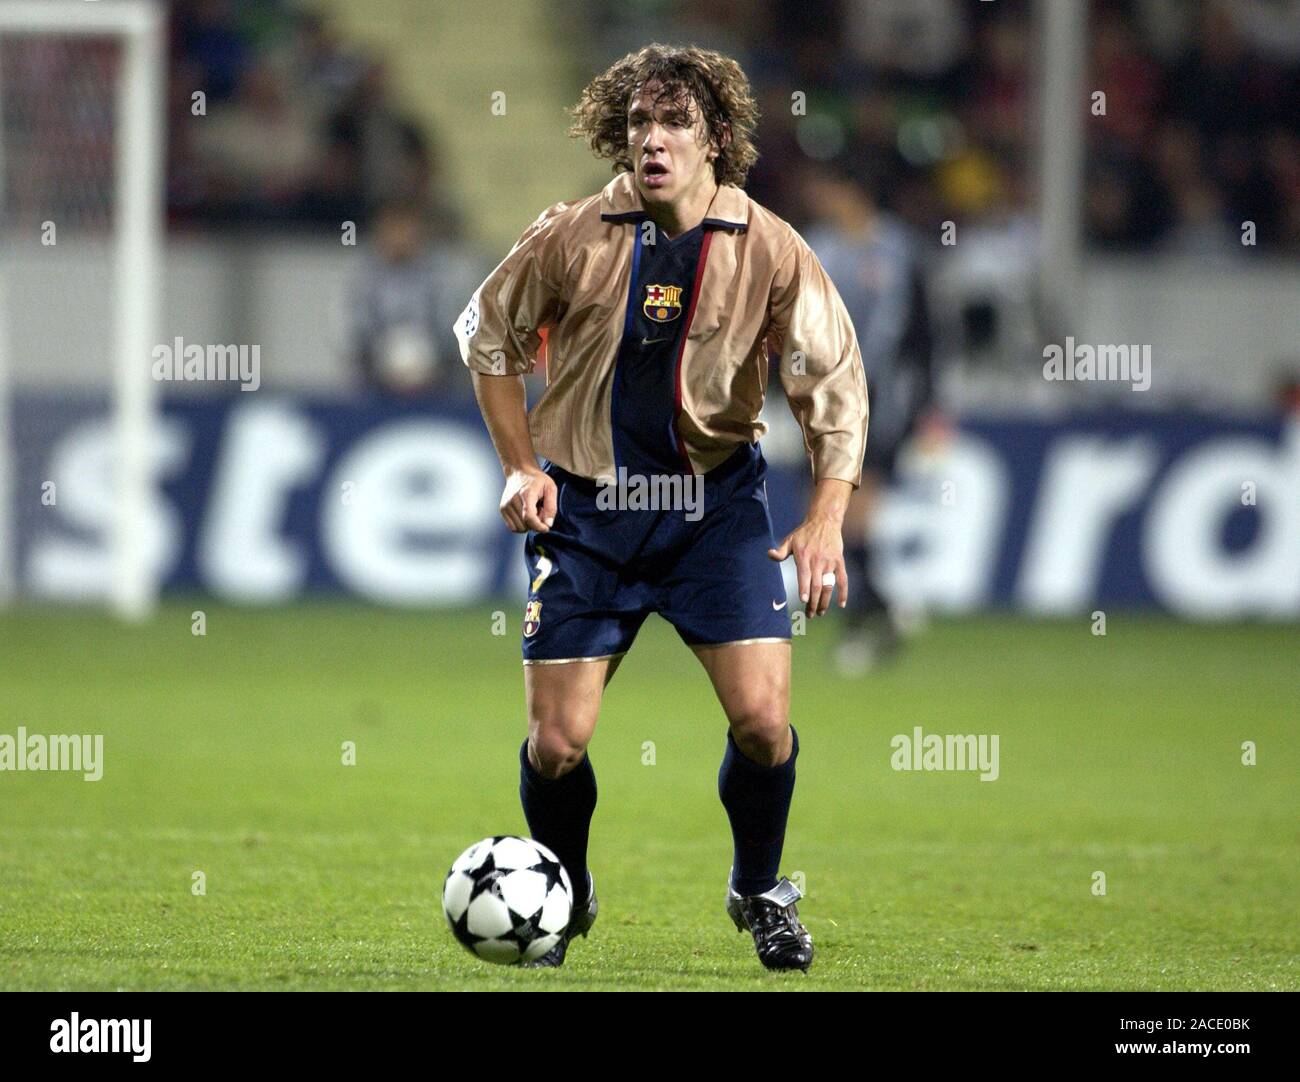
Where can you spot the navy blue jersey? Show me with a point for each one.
(644, 403)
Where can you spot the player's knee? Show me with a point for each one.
(554, 752)
(761, 732)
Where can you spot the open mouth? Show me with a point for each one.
(655, 173)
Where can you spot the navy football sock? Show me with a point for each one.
(757, 799)
(559, 813)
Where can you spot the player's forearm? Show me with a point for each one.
(830, 500)
(504, 404)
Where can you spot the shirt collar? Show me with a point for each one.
(620, 202)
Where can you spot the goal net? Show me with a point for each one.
(80, 236)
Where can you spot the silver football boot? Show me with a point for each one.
(781, 941)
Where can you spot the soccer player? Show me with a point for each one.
(875, 263)
(661, 297)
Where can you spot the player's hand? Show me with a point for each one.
(528, 500)
(818, 550)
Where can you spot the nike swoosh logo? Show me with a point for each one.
(652, 341)
(778, 608)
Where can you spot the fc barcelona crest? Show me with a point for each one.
(532, 618)
(663, 304)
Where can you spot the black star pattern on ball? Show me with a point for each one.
(521, 934)
(524, 928)
(489, 884)
(552, 869)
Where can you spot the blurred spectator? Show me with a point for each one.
(212, 47)
(932, 99)
(1200, 231)
(921, 39)
(324, 66)
(257, 151)
(403, 305)
(1130, 78)
(1198, 97)
(393, 160)
(297, 127)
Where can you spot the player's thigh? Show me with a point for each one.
(752, 682)
(563, 702)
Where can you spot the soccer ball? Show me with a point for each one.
(507, 899)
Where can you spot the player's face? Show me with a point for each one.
(671, 155)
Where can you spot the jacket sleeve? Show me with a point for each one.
(820, 364)
(498, 330)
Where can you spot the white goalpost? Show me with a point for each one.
(136, 242)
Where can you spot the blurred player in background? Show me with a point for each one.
(874, 259)
(663, 295)
(408, 293)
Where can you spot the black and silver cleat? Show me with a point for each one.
(579, 925)
(780, 940)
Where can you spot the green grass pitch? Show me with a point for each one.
(1119, 754)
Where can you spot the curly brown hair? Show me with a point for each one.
(689, 77)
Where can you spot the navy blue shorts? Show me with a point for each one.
(598, 573)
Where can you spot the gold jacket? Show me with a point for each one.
(759, 287)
